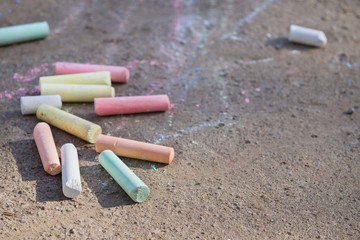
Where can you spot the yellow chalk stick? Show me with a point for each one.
(77, 92)
(92, 78)
(68, 122)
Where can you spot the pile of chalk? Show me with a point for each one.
(92, 83)
(76, 82)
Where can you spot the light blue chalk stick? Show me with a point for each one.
(23, 33)
(123, 175)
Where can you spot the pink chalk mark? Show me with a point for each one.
(247, 100)
(19, 93)
(32, 73)
(243, 92)
(257, 89)
(197, 105)
(172, 106)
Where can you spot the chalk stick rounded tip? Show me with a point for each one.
(71, 193)
(127, 75)
(53, 169)
(140, 194)
(171, 155)
(322, 39)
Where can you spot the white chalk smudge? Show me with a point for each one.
(264, 60)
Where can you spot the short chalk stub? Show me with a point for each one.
(30, 104)
(307, 36)
(124, 176)
(71, 181)
(77, 92)
(68, 122)
(46, 146)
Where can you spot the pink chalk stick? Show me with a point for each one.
(134, 104)
(118, 73)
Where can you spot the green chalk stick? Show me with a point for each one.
(23, 33)
(123, 175)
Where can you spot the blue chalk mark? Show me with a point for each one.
(188, 130)
(349, 65)
(249, 17)
(253, 14)
(17, 1)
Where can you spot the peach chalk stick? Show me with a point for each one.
(134, 104)
(76, 92)
(71, 182)
(118, 73)
(92, 78)
(29, 104)
(134, 149)
(68, 122)
(46, 146)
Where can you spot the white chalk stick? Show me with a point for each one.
(307, 36)
(71, 182)
(29, 104)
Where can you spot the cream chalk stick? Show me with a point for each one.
(135, 149)
(76, 92)
(92, 78)
(123, 175)
(68, 122)
(133, 104)
(307, 36)
(71, 182)
(118, 73)
(46, 146)
(29, 104)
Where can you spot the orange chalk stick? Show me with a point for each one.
(46, 146)
(118, 73)
(133, 104)
(135, 149)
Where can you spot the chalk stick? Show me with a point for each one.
(123, 175)
(29, 104)
(68, 122)
(23, 33)
(93, 78)
(46, 146)
(134, 149)
(133, 104)
(307, 36)
(76, 92)
(118, 73)
(71, 182)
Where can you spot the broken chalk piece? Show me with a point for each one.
(134, 149)
(133, 104)
(68, 122)
(29, 104)
(46, 146)
(118, 73)
(71, 182)
(93, 78)
(307, 36)
(77, 92)
(23, 33)
(123, 175)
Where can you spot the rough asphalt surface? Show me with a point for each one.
(266, 133)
